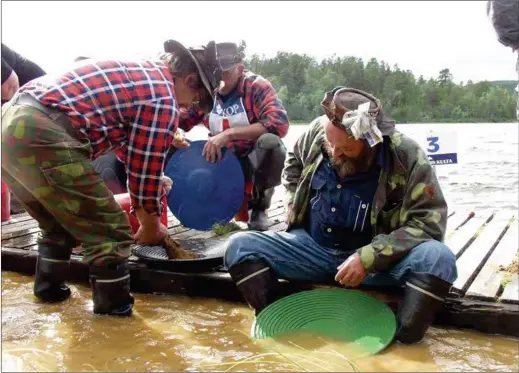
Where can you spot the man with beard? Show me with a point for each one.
(364, 207)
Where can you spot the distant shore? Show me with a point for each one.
(475, 121)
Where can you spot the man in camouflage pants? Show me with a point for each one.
(365, 207)
(53, 129)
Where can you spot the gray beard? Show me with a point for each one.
(347, 166)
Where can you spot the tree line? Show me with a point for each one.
(301, 82)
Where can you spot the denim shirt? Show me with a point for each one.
(340, 210)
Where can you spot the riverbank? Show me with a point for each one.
(432, 121)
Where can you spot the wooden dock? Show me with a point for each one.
(485, 297)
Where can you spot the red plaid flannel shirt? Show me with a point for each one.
(128, 107)
(261, 104)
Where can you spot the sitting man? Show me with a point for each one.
(364, 207)
(248, 118)
(55, 127)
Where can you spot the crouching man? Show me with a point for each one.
(55, 127)
(364, 207)
(248, 118)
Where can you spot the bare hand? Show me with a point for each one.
(151, 235)
(179, 141)
(351, 273)
(213, 147)
(10, 86)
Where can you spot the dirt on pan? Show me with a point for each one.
(175, 251)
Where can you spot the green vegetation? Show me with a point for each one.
(301, 82)
(222, 229)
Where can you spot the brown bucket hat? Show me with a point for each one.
(341, 100)
(205, 60)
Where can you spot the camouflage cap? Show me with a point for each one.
(341, 100)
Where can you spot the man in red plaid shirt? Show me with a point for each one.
(248, 118)
(55, 126)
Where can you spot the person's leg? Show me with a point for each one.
(267, 160)
(54, 243)
(56, 169)
(256, 260)
(112, 172)
(427, 272)
(243, 213)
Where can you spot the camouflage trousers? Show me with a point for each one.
(49, 169)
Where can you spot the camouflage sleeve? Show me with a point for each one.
(296, 160)
(268, 108)
(292, 171)
(422, 217)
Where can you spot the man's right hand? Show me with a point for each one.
(180, 141)
(151, 230)
(151, 235)
(10, 86)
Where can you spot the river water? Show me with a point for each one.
(176, 333)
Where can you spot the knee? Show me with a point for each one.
(269, 141)
(237, 248)
(437, 259)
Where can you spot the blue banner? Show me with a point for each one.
(437, 159)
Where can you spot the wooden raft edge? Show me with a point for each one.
(486, 317)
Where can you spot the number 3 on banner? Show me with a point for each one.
(433, 144)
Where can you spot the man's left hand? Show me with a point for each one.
(351, 273)
(213, 147)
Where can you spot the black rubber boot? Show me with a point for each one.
(258, 221)
(49, 282)
(256, 282)
(111, 290)
(259, 204)
(423, 297)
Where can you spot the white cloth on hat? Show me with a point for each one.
(362, 125)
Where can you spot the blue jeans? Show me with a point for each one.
(295, 256)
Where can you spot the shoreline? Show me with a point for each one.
(301, 122)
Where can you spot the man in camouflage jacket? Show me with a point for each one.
(359, 214)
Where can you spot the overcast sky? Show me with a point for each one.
(423, 37)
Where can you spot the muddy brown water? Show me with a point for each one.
(176, 333)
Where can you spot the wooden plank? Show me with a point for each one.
(488, 282)
(20, 233)
(485, 317)
(455, 221)
(17, 218)
(27, 224)
(474, 258)
(22, 237)
(273, 218)
(463, 236)
(511, 292)
(21, 242)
